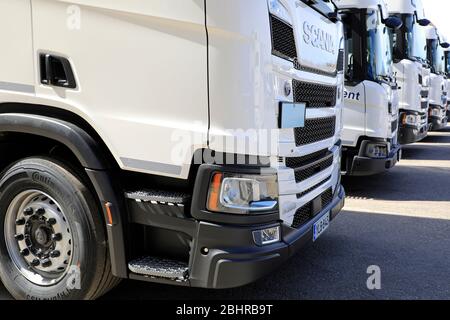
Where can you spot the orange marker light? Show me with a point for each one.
(108, 206)
(214, 193)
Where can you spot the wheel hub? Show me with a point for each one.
(38, 237)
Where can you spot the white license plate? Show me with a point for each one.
(321, 225)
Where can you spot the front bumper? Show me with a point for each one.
(235, 260)
(411, 134)
(364, 166)
(438, 123)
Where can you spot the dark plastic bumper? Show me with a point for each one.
(233, 258)
(438, 123)
(409, 134)
(363, 166)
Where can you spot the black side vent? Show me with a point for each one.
(283, 40)
(340, 63)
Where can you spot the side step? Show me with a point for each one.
(159, 197)
(160, 268)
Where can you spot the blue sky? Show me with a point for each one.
(438, 11)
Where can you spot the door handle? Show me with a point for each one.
(56, 71)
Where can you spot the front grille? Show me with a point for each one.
(315, 130)
(340, 63)
(314, 95)
(308, 171)
(283, 40)
(307, 212)
(424, 93)
(394, 125)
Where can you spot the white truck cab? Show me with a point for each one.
(411, 68)
(447, 73)
(438, 83)
(183, 142)
(370, 113)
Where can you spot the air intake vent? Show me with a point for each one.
(340, 63)
(315, 130)
(283, 40)
(314, 95)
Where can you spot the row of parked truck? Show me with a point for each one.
(127, 131)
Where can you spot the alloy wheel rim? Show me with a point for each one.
(38, 237)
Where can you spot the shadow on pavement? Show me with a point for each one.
(413, 254)
(402, 183)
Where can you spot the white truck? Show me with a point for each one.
(370, 113)
(184, 142)
(438, 84)
(447, 73)
(412, 69)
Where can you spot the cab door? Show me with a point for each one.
(16, 63)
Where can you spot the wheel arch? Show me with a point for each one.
(72, 132)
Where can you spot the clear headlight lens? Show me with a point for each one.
(411, 119)
(279, 10)
(242, 194)
(377, 150)
(435, 112)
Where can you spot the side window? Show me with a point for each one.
(349, 58)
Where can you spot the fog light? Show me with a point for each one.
(267, 236)
(376, 150)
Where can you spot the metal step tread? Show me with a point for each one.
(158, 196)
(160, 268)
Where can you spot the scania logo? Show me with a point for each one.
(318, 38)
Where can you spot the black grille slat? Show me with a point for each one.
(314, 95)
(304, 193)
(306, 213)
(295, 162)
(283, 40)
(304, 173)
(315, 130)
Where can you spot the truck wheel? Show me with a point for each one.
(52, 240)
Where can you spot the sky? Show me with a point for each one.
(438, 11)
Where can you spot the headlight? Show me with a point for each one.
(435, 112)
(278, 9)
(376, 150)
(411, 119)
(242, 194)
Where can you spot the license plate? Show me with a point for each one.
(321, 225)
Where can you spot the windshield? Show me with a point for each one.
(437, 58)
(379, 54)
(447, 63)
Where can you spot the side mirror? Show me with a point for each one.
(393, 23)
(445, 45)
(424, 22)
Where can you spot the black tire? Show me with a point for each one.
(90, 253)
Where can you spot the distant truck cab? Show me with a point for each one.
(412, 69)
(370, 113)
(438, 92)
